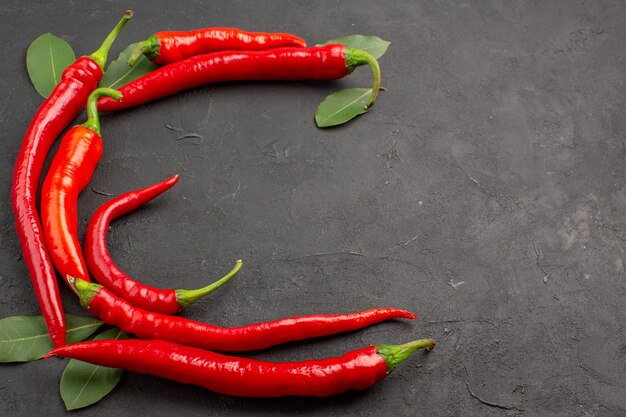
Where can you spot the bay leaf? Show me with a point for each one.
(26, 338)
(372, 44)
(46, 58)
(120, 73)
(84, 384)
(342, 106)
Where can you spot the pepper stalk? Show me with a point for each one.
(100, 56)
(358, 57)
(93, 119)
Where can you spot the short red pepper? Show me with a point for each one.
(167, 47)
(107, 273)
(229, 375)
(146, 325)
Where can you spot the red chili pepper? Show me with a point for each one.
(328, 62)
(243, 377)
(167, 47)
(104, 270)
(146, 325)
(69, 173)
(62, 106)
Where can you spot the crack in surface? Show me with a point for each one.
(100, 192)
(595, 375)
(486, 402)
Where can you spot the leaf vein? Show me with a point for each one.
(85, 385)
(126, 73)
(54, 72)
(35, 337)
(369, 91)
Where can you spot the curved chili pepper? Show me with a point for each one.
(69, 173)
(107, 273)
(167, 47)
(62, 106)
(327, 62)
(146, 325)
(244, 377)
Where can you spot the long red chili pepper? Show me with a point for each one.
(146, 325)
(243, 377)
(107, 273)
(69, 173)
(167, 47)
(62, 106)
(328, 62)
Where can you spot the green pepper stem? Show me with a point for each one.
(86, 290)
(150, 48)
(186, 298)
(394, 355)
(137, 53)
(93, 119)
(356, 57)
(100, 56)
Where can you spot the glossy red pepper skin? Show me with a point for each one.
(326, 62)
(229, 375)
(62, 106)
(106, 272)
(169, 47)
(146, 325)
(70, 172)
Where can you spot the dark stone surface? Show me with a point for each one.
(485, 192)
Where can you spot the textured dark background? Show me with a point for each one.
(485, 191)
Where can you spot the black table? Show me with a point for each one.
(484, 191)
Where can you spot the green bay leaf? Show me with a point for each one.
(46, 58)
(119, 72)
(26, 338)
(342, 106)
(372, 44)
(84, 384)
